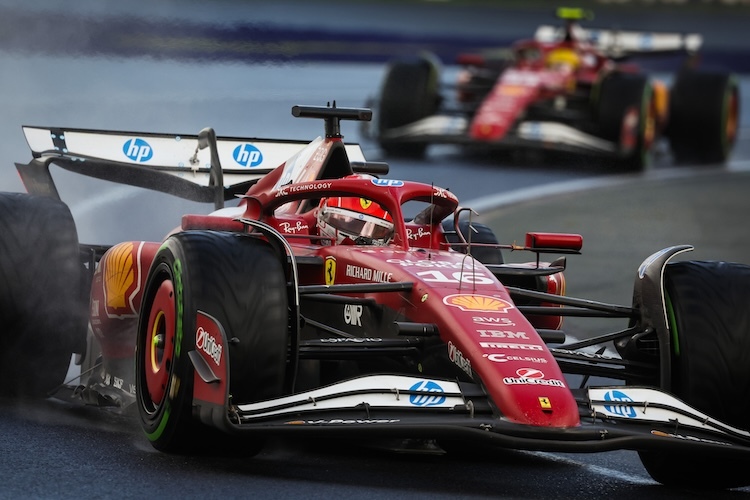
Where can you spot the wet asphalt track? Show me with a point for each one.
(51, 450)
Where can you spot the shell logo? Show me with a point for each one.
(119, 275)
(483, 303)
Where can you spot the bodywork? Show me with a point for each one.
(444, 345)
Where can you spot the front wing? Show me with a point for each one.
(549, 135)
(376, 406)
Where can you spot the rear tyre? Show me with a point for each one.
(626, 113)
(710, 323)
(239, 282)
(43, 299)
(476, 233)
(703, 116)
(409, 93)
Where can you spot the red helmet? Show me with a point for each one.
(359, 219)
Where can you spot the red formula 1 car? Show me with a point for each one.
(332, 300)
(567, 89)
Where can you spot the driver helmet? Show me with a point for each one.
(563, 57)
(359, 219)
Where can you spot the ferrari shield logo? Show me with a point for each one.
(365, 203)
(330, 270)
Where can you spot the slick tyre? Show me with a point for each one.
(707, 305)
(43, 298)
(476, 233)
(623, 99)
(409, 92)
(237, 281)
(703, 117)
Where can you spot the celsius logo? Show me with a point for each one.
(622, 410)
(247, 155)
(432, 394)
(137, 150)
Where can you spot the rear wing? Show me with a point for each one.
(200, 167)
(617, 43)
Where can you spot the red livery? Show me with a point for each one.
(328, 299)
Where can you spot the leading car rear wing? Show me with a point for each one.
(618, 43)
(200, 167)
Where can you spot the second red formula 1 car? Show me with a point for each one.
(567, 89)
(334, 301)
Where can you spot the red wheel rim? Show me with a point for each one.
(159, 349)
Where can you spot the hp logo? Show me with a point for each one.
(247, 155)
(387, 182)
(137, 150)
(433, 394)
(622, 410)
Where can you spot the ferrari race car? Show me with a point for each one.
(568, 89)
(331, 300)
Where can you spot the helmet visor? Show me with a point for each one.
(354, 224)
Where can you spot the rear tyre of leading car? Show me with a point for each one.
(43, 296)
(239, 282)
(409, 92)
(703, 116)
(707, 305)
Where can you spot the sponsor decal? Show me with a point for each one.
(247, 155)
(688, 438)
(627, 411)
(330, 270)
(339, 421)
(430, 394)
(415, 234)
(500, 357)
(299, 188)
(365, 203)
(531, 376)
(367, 274)
(455, 355)
(297, 227)
(483, 303)
(545, 403)
(429, 263)
(121, 270)
(353, 314)
(441, 193)
(387, 182)
(119, 275)
(354, 340)
(137, 150)
(207, 343)
(503, 334)
(506, 345)
(490, 321)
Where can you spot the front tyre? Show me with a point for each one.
(239, 282)
(707, 305)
